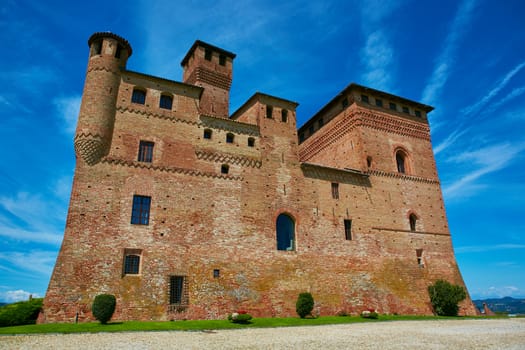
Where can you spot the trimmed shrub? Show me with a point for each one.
(20, 313)
(304, 305)
(445, 297)
(370, 314)
(104, 307)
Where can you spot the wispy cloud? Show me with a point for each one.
(451, 138)
(516, 92)
(493, 93)
(485, 160)
(377, 55)
(487, 248)
(445, 61)
(67, 109)
(36, 261)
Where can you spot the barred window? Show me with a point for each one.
(132, 261)
(140, 210)
(166, 102)
(138, 96)
(177, 290)
(145, 151)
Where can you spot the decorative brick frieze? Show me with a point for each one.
(220, 157)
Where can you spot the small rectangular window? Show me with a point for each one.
(251, 142)
(344, 103)
(364, 98)
(348, 229)
(166, 102)
(311, 129)
(145, 151)
(132, 261)
(222, 60)
(379, 103)
(335, 190)
(138, 96)
(320, 122)
(177, 290)
(284, 115)
(140, 210)
(269, 112)
(392, 106)
(118, 52)
(405, 110)
(216, 273)
(207, 54)
(418, 113)
(419, 255)
(301, 137)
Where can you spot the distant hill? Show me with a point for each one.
(507, 305)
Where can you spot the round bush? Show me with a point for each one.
(445, 297)
(304, 305)
(104, 307)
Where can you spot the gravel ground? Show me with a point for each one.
(453, 334)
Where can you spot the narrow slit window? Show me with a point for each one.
(284, 115)
(269, 112)
(412, 221)
(401, 162)
(335, 190)
(419, 255)
(348, 229)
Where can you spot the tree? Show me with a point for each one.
(304, 304)
(20, 313)
(445, 297)
(104, 307)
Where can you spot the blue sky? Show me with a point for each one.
(466, 58)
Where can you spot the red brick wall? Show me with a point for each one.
(201, 220)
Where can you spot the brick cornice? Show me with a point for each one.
(219, 157)
(409, 231)
(210, 77)
(403, 176)
(394, 124)
(176, 170)
(229, 125)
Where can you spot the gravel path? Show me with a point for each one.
(454, 334)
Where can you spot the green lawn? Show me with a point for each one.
(200, 325)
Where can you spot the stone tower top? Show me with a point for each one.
(210, 67)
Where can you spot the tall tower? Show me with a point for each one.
(210, 67)
(108, 54)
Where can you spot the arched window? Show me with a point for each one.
(413, 221)
(285, 229)
(138, 96)
(401, 161)
(207, 134)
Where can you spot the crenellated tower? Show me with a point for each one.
(210, 67)
(108, 54)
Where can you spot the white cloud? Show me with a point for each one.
(67, 109)
(516, 92)
(484, 161)
(12, 296)
(492, 93)
(445, 61)
(451, 138)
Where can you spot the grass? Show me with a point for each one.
(201, 325)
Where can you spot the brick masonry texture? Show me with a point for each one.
(218, 229)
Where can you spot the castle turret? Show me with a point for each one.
(108, 54)
(210, 67)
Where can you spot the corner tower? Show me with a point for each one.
(210, 67)
(108, 54)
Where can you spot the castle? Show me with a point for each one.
(183, 211)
